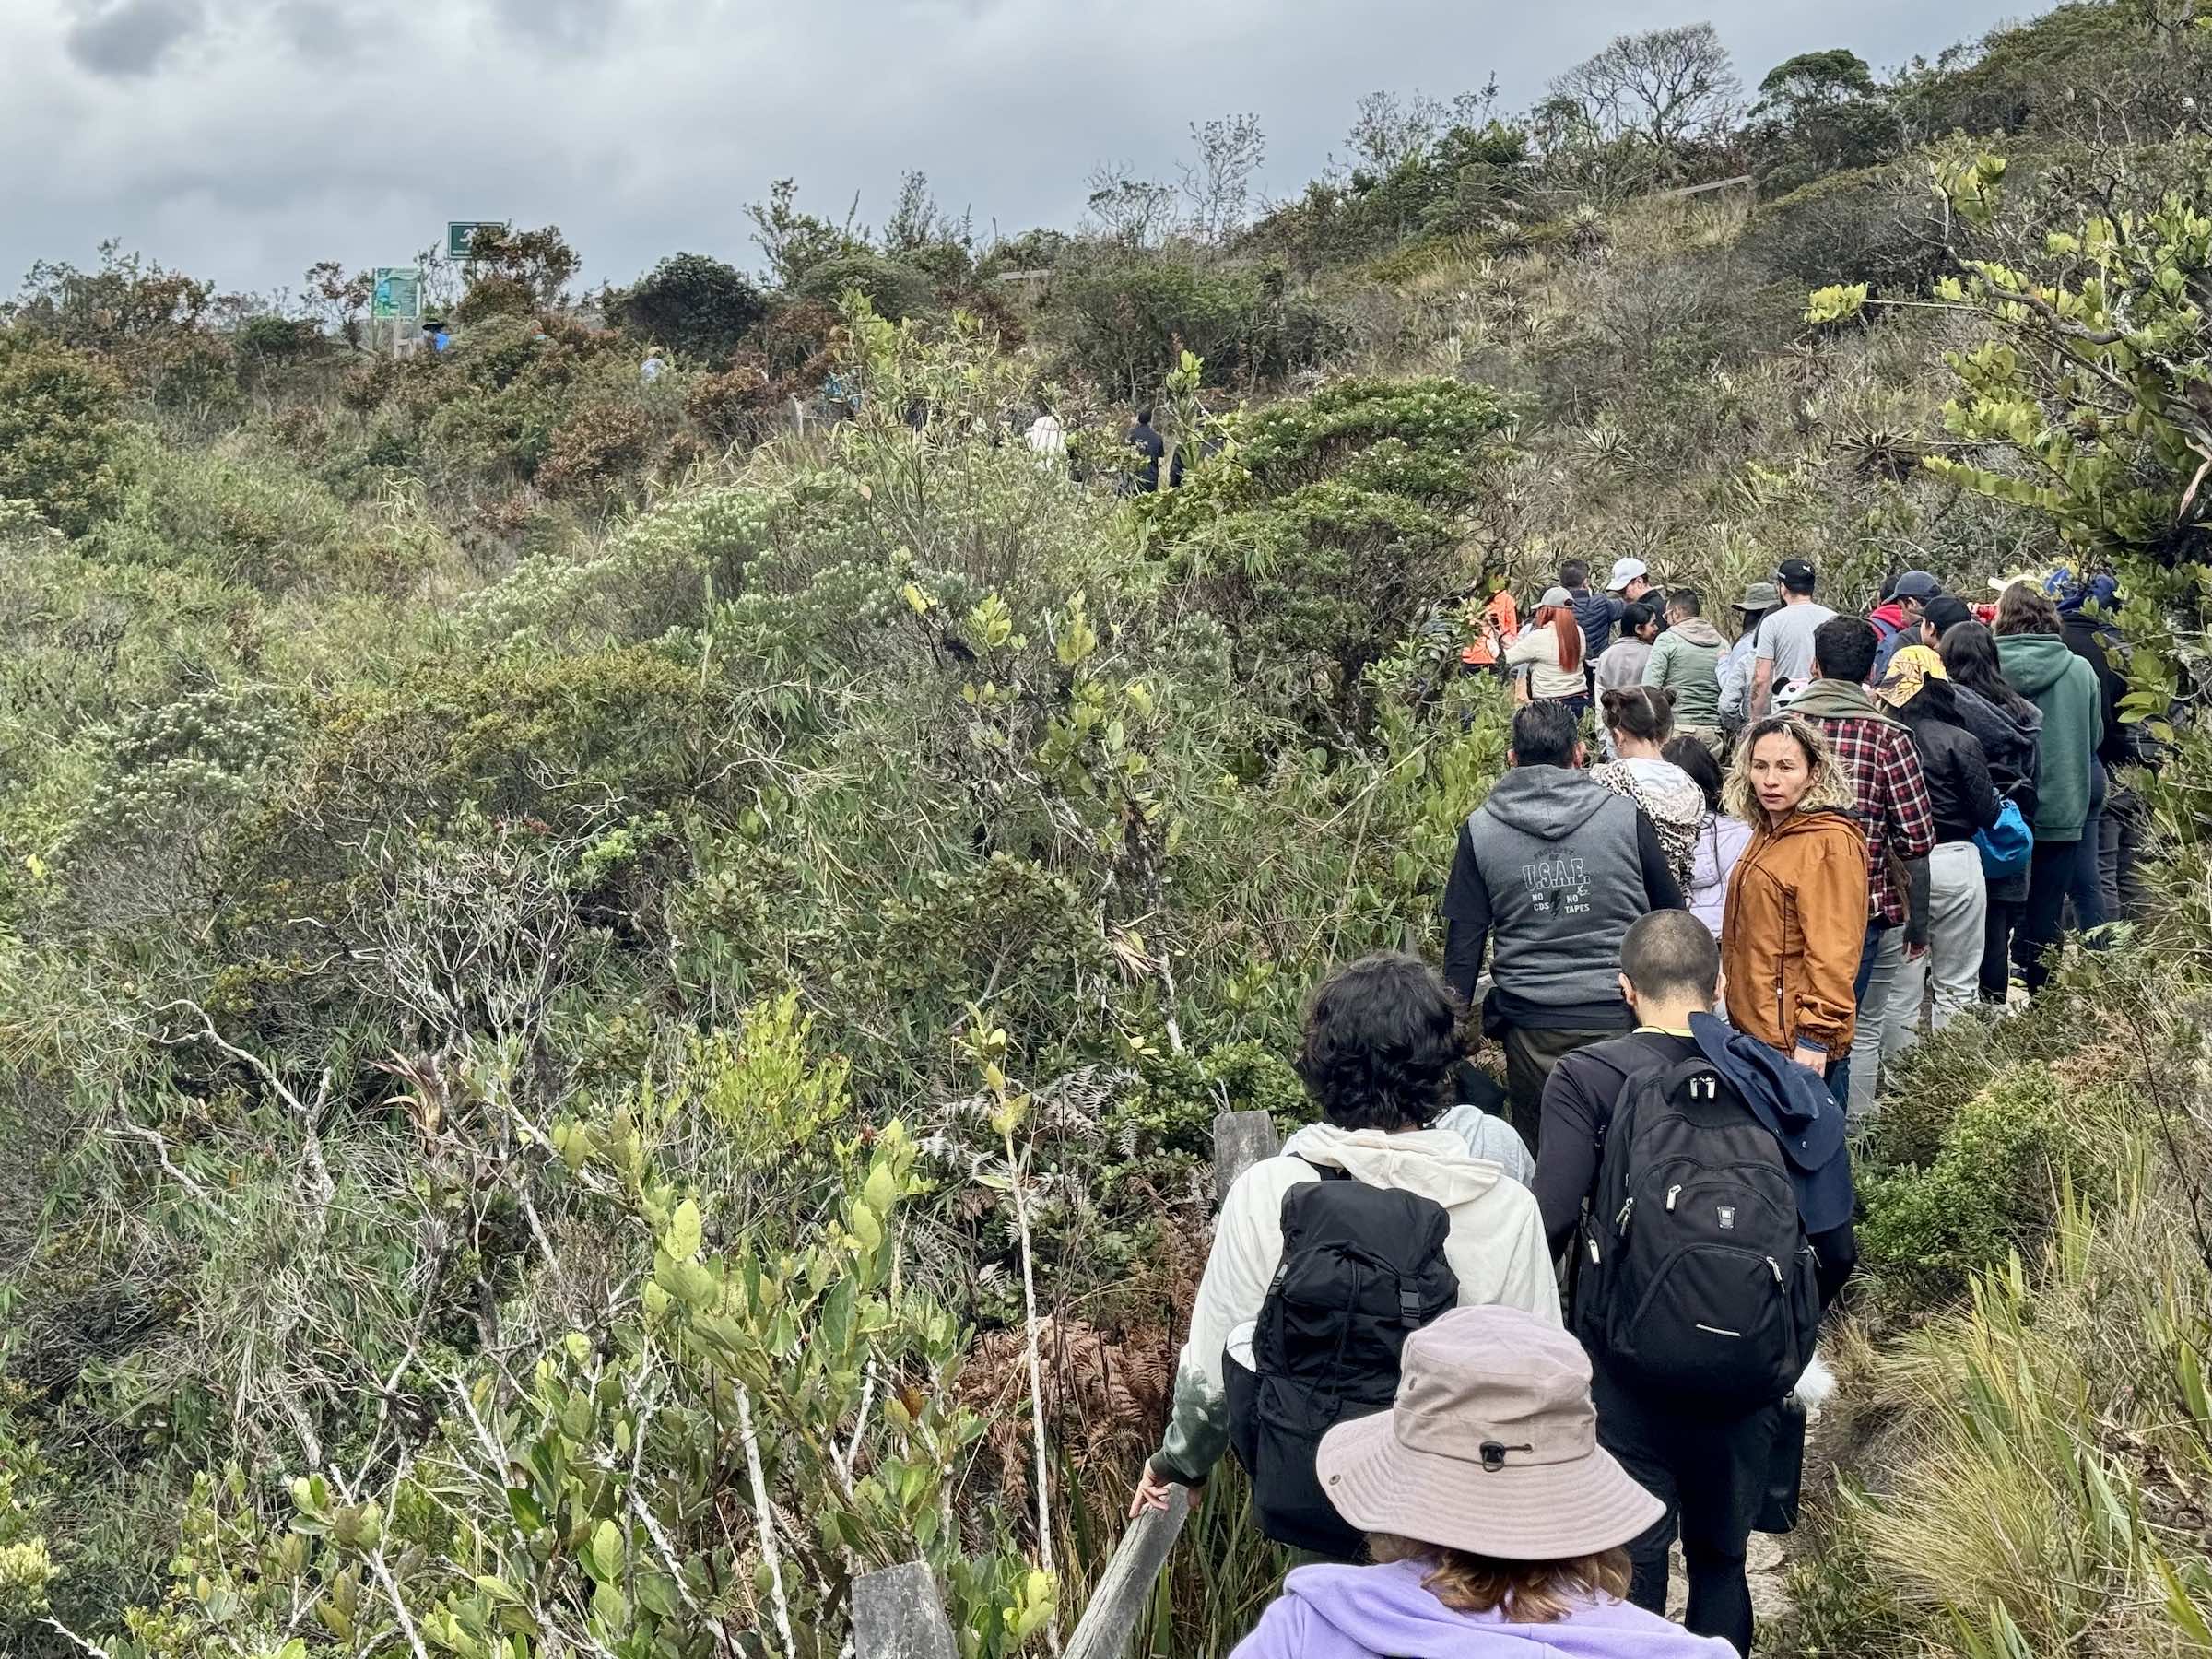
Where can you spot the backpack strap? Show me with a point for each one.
(1327, 1171)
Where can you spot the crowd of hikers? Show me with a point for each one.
(1487, 1353)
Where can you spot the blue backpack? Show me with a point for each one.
(2006, 845)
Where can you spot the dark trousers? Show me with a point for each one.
(1710, 1472)
(1996, 950)
(1530, 1054)
(1839, 1068)
(2061, 871)
(2121, 834)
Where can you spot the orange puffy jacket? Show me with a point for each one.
(1793, 930)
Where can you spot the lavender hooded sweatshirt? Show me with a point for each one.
(1362, 1612)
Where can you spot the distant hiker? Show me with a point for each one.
(1795, 924)
(1878, 755)
(436, 336)
(1493, 1516)
(1596, 612)
(1686, 661)
(1897, 620)
(1554, 867)
(1372, 1222)
(1630, 584)
(1638, 721)
(654, 367)
(1784, 654)
(1623, 664)
(1551, 648)
(2069, 782)
(1761, 600)
(2010, 729)
(2084, 612)
(1720, 839)
(1963, 802)
(1709, 1181)
(1149, 444)
(1047, 442)
(1495, 623)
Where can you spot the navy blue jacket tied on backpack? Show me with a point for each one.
(1697, 1273)
(1798, 1111)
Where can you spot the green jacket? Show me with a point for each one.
(1687, 661)
(2065, 687)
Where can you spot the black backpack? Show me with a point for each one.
(1695, 1275)
(1362, 1268)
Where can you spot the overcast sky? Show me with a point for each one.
(244, 139)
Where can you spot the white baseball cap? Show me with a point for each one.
(1625, 570)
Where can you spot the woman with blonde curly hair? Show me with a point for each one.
(1797, 914)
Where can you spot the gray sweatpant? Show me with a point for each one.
(1890, 1014)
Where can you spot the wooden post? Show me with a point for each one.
(1118, 1604)
(1241, 1140)
(898, 1614)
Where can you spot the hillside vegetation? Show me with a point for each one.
(613, 1001)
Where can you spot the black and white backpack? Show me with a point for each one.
(1362, 1268)
(1695, 1277)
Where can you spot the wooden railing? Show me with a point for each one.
(899, 1614)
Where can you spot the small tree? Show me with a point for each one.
(1136, 213)
(1664, 88)
(797, 241)
(536, 263)
(1820, 113)
(1218, 185)
(692, 304)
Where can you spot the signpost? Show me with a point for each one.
(395, 301)
(398, 296)
(461, 236)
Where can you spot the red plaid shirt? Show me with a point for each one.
(1894, 809)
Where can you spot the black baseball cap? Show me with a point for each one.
(1794, 574)
(1944, 613)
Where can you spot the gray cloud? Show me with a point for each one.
(243, 139)
(131, 37)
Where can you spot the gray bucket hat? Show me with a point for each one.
(1759, 596)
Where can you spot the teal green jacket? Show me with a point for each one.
(2065, 687)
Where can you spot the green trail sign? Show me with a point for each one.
(460, 235)
(398, 294)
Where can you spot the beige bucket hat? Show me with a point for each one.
(1490, 1448)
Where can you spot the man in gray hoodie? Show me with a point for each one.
(1556, 868)
(1687, 662)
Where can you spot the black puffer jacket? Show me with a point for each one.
(2009, 746)
(1960, 790)
(1598, 613)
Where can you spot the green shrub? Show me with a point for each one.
(60, 431)
(691, 304)
(895, 289)
(1992, 1188)
(1125, 320)
(241, 510)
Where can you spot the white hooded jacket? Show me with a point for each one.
(1495, 1248)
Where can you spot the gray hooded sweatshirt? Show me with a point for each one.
(1562, 868)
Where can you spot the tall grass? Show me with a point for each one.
(2042, 1487)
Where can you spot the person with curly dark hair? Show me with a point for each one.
(1378, 1058)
